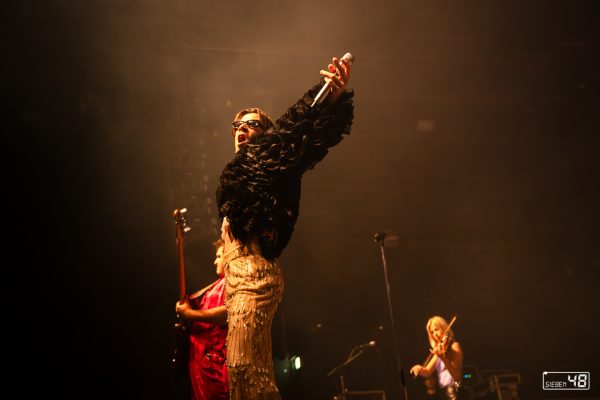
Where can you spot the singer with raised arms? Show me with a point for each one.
(259, 199)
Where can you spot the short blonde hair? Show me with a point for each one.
(266, 121)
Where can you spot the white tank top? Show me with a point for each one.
(444, 376)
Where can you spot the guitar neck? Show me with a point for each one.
(180, 229)
(182, 291)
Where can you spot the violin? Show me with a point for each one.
(442, 340)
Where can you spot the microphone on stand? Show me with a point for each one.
(380, 236)
(372, 343)
(324, 92)
(389, 238)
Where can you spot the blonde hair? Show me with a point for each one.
(437, 322)
(266, 121)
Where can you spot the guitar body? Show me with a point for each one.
(181, 355)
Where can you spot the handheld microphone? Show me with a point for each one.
(324, 92)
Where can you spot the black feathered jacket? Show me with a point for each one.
(259, 190)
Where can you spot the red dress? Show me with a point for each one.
(208, 372)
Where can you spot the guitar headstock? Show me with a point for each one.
(181, 224)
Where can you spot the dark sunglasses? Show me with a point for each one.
(252, 123)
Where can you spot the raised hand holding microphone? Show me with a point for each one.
(336, 79)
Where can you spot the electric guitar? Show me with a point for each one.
(182, 332)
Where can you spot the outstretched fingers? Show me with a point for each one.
(337, 76)
(338, 73)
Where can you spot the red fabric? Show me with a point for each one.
(208, 371)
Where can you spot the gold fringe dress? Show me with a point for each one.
(254, 289)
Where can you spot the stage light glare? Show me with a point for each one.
(296, 362)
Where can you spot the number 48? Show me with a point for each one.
(579, 380)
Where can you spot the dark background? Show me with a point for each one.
(475, 142)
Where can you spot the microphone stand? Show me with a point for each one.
(351, 358)
(380, 237)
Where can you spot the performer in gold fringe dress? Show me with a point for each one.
(258, 199)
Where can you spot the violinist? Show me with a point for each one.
(446, 358)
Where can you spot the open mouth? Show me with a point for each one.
(241, 139)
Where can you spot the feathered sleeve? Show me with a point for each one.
(310, 131)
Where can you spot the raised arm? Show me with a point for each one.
(306, 133)
(259, 189)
